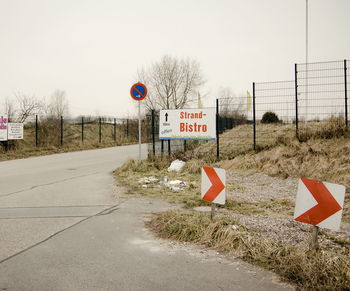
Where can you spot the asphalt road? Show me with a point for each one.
(62, 227)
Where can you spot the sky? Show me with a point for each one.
(92, 49)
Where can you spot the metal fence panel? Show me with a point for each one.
(277, 98)
(322, 97)
(235, 125)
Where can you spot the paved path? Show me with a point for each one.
(63, 228)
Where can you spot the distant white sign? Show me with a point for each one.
(15, 131)
(188, 124)
(3, 127)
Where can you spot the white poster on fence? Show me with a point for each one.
(15, 131)
(3, 127)
(188, 124)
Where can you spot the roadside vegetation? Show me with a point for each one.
(50, 140)
(46, 137)
(256, 224)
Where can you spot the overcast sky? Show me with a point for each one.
(92, 49)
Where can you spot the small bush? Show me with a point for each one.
(270, 117)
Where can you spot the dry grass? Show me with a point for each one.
(333, 127)
(309, 270)
(325, 159)
(323, 156)
(321, 159)
(239, 140)
(49, 140)
(132, 171)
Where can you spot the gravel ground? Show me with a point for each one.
(258, 187)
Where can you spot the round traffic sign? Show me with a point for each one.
(138, 91)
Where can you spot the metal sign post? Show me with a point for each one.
(212, 212)
(138, 92)
(314, 238)
(139, 131)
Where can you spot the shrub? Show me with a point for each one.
(270, 117)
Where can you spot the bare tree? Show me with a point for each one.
(230, 105)
(171, 83)
(58, 105)
(10, 109)
(27, 105)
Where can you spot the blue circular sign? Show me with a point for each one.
(138, 91)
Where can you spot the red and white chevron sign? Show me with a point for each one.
(319, 203)
(213, 185)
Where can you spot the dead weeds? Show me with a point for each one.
(261, 190)
(308, 269)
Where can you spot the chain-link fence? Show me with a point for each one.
(314, 104)
(235, 113)
(322, 93)
(274, 111)
(46, 132)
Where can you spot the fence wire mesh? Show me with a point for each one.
(322, 107)
(274, 99)
(43, 131)
(235, 125)
(314, 104)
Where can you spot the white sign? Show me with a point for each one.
(15, 131)
(213, 185)
(188, 124)
(319, 203)
(3, 127)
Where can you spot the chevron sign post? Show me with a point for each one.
(319, 203)
(213, 185)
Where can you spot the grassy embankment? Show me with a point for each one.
(320, 157)
(50, 140)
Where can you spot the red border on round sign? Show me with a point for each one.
(133, 87)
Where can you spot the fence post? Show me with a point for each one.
(100, 130)
(217, 131)
(127, 128)
(169, 148)
(115, 129)
(82, 129)
(61, 130)
(254, 119)
(36, 131)
(8, 143)
(346, 95)
(153, 134)
(296, 101)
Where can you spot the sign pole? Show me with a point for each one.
(138, 92)
(139, 131)
(212, 214)
(314, 238)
